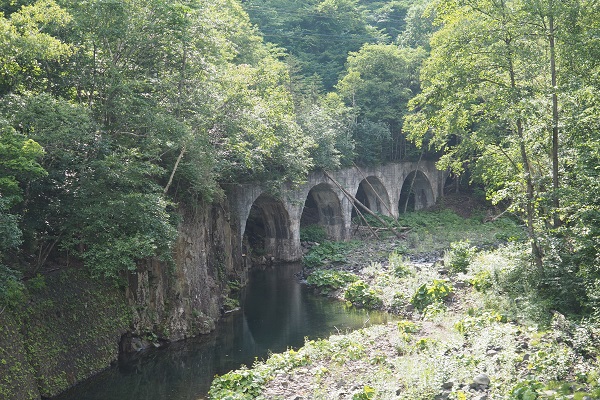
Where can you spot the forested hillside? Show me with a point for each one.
(115, 113)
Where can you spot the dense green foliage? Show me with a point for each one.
(326, 279)
(327, 252)
(366, 53)
(508, 92)
(360, 294)
(115, 114)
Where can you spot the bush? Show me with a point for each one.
(243, 384)
(327, 252)
(367, 393)
(12, 290)
(360, 294)
(313, 233)
(477, 320)
(459, 256)
(399, 265)
(434, 293)
(482, 281)
(406, 328)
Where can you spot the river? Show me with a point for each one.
(277, 312)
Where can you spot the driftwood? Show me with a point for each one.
(357, 202)
(412, 183)
(372, 188)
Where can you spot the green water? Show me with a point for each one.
(277, 312)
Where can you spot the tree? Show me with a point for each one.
(477, 86)
(319, 33)
(379, 82)
(18, 167)
(329, 123)
(28, 45)
(495, 90)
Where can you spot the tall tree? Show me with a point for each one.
(500, 79)
(379, 82)
(479, 86)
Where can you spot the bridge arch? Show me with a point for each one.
(268, 228)
(372, 193)
(323, 207)
(416, 192)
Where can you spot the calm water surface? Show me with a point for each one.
(277, 312)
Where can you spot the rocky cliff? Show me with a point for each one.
(74, 325)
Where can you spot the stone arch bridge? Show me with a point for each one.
(272, 223)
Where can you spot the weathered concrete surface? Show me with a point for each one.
(380, 187)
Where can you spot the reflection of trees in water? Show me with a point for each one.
(278, 313)
(276, 316)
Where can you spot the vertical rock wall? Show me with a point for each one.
(185, 299)
(71, 327)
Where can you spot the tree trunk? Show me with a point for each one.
(530, 212)
(555, 177)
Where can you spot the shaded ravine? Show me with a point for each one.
(277, 312)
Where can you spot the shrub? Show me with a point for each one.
(12, 290)
(367, 393)
(399, 265)
(313, 233)
(427, 295)
(327, 252)
(475, 321)
(459, 256)
(482, 281)
(406, 328)
(360, 294)
(242, 384)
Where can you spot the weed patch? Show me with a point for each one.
(327, 280)
(431, 294)
(360, 294)
(328, 253)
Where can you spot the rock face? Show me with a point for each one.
(185, 299)
(75, 326)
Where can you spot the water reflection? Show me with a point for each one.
(277, 312)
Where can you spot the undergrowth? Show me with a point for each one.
(480, 317)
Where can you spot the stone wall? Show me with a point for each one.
(185, 299)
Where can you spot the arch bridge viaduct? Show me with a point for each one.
(276, 220)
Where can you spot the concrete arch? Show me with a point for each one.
(267, 228)
(322, 206)
(373, 193)
(416, 192)
(332, 209)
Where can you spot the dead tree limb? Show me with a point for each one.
(372, 188)
(412, 183)
(361, 205)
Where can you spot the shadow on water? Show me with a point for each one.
(277, 313)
